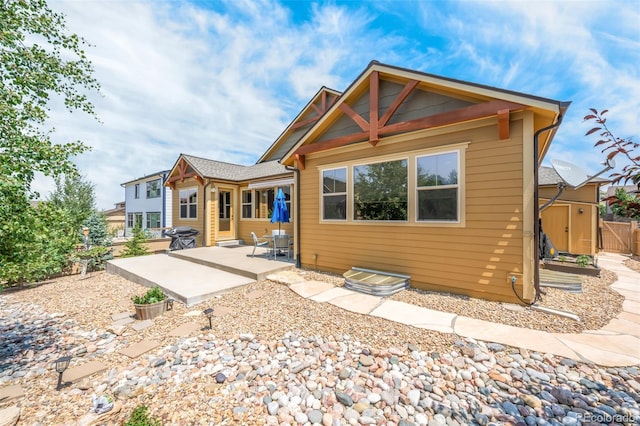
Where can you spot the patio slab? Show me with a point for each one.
(310, 288)
(11, 393)
(326, 296)
(185, 281)
(359, 303)
(185, 329)
(139, 348)
(416, 316)
(141, 325)
(79, 372)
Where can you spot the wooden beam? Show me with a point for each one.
(305, 122)
(503, 124)
(332, 143)
(374, 102)
(300, 160)
(355, 117)
(460, 115)
(408, 88)
(473, 112)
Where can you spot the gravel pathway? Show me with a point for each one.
(281, 359)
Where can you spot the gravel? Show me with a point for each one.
(80, 310)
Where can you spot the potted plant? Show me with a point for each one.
(151, 305)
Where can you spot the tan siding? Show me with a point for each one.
(475, 259)
(586, 194)
(197, 223)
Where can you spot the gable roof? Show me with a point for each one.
(220, 170)
(312, 112)
(160, 174)
(486, 101)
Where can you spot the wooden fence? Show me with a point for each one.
(620, 237)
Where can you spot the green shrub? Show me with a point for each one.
(583, 260)
(137, 245)
(153, 295)
(140, 417)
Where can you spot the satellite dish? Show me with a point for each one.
(575, 176)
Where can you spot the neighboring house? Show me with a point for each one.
(571, 222)
(405, 172)
(148, 204)
(116, 219)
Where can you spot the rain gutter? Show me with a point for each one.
(536, 208)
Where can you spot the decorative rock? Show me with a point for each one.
(220, 378)
(344, 399)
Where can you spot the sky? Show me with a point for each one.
(222, 79)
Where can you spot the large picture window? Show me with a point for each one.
(153, 189)
(334, 194)
(380, 191)
(437, 187)
(188, 203)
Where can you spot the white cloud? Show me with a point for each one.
(222, 79)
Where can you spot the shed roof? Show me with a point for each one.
(548, 176)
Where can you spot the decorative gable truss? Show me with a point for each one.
(377, 126)
(325, 102)
(182, 171)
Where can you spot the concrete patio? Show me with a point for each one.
(195, 275)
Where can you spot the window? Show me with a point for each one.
(188, 203)
(423, 188)
(153, 220)
(138, 220)
(334, 194)
(153, 189)
(380, 191)
(437, 187)
(129, 220)
(136, 189)
(246, 204)
(258, 203)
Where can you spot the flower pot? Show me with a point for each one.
(151, 310)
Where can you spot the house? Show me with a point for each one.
(571, 221)
(116, 219)
(148, 204)
(226, 202)
(405, 171)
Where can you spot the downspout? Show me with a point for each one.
(536, 209)
(296, 172)
(164, 201)
(204, 214)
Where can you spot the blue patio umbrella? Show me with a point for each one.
(280, 212)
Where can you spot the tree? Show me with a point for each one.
(136, 246)
(624, 204)
(75, 194)
(39, 60)
(615, 146)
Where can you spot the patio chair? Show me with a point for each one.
(281, 244)
(258, 243)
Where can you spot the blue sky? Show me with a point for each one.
(222, 79)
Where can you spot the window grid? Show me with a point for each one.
(188, 203)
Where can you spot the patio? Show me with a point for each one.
(194, 275)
